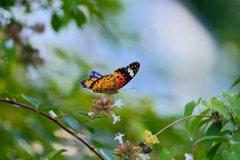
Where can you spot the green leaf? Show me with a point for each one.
(53, 154)
(236, 148)
(200, 151)
(236, 135)
(235, 155)
(106, 154)
(91, 130)
(116, 154)
(199, 101)
(73, 123)
(194, 124)
(218, 105)
(212, 139)
(84, 113)
(29, 158)
(46, 108)
(235, 83)
(56, 22)
(79, 17)
(33, 101)
(218, 156)
(167, 154)
(211, 153)
(233, 101)
(189, 107)
(97, 144)
(16, 106)
(230, 156)
(212, 130)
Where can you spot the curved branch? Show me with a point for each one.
(182, 119)
(53, 120)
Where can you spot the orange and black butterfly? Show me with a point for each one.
(111, 83)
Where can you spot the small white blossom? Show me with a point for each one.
(115, 118)
(9, 44)
(4, 17)
(144, 156)
(118, 103)
(52, 113)
(189, 156)
(119, 137)
(90, 113)
(25, 34)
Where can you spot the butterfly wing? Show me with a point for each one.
(94, 74)
(125, 74)
(87, 82)
(105, 84)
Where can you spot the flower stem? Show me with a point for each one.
(86, 124)
(182, 119)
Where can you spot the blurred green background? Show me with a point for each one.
(187, 49)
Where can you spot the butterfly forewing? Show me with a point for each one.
(105, 84)
(125, 74)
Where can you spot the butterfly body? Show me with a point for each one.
(111, 83)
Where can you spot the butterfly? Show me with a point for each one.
(111, 83)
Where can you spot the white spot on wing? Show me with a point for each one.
(130, 71)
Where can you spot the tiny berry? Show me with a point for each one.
(147, 149)
(141, 143)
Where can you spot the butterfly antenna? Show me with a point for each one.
(126, 89)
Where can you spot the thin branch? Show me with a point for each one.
(86, 124)
(54, 120)
(182, 119)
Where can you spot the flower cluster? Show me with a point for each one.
(103, 106)
(149, 139)
(128, 150)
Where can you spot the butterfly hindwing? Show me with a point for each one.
(94, 74)
(87, 82)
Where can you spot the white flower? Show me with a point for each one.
(189, 156)
(90, 113)
(119, 137)
(118, 103)
(25, 34)
(144, 156)
(9, 44)
(115, 118)
(52, 113)
(4, 17)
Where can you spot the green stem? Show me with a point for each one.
(86, 124)
(182, 119)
